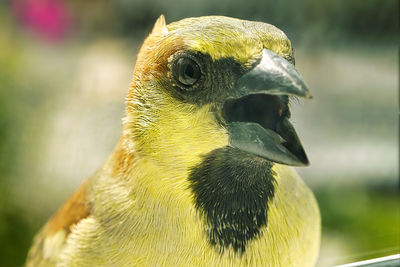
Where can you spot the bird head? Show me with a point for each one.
(204, 83)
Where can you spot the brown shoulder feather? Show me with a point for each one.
(59, 226)
(75, 209)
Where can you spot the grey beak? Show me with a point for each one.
(273, 75)
(251, 111)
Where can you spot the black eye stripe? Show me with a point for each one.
(196, 78)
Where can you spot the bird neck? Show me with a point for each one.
(230, 190)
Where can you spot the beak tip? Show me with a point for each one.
(306, 93)
(303, 163)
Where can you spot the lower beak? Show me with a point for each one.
(257, 114)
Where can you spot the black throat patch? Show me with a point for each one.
(231, 189)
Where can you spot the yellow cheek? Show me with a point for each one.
(177, 134)
(184, 137)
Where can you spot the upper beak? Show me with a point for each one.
(274, 75)
(256, 111)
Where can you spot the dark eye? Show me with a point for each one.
(187, 71)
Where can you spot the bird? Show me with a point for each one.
(202, 174)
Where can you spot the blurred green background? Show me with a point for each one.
(65, 67)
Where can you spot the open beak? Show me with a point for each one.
(257, 114)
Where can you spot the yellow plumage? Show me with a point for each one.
(140, 208)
